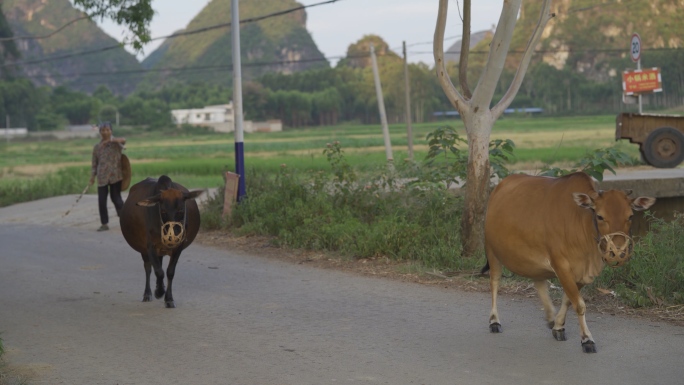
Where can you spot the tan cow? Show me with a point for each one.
(541, 228)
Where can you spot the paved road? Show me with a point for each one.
(70, 310)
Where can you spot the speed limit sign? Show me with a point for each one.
(635, 51)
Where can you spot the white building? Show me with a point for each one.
(221, 118)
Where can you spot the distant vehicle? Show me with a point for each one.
(660, 137)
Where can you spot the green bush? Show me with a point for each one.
(361, 216)
(593, 163)
(446, 164)
(655, 274)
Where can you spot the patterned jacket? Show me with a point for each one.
(107, 163)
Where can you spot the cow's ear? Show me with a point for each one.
(149, 201)
(642, 203)
(583, 200)
(627, 192)
(193, 194)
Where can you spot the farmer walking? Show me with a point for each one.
(106, 166)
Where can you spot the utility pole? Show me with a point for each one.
(409, 129)
(237, 101)
(641, 108)
(381, 107)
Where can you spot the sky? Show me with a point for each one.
(337, 25)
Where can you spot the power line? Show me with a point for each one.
(278, 63)
(229, 67)
(174, 35)
(571, 10)
(44, 36)
(596, 50)
(226, 67)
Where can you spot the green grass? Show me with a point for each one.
(198, 158)
(179, 145)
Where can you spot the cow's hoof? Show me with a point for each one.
(170, 305)
(551, 324)
(589, 347)
(495, 327)
(559, 334)
(147, 297)
(159, 292)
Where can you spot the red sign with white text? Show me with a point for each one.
(641, 81)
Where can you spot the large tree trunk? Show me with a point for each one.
(479, 126)
(476, 195)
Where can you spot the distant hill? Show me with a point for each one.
(278, 44)
(83, 72)
(593, 38)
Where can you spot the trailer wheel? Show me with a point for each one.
(664, 148)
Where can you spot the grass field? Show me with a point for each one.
(198, 159)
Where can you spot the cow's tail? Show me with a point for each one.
(485, 268)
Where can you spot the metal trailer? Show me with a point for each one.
(660, 137)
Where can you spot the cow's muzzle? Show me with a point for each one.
(173, 233)
(612, 254)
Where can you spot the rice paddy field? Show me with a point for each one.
(198, 159)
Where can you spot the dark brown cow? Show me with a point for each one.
(159, 218)
(541, 228)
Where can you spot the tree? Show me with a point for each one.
(474, 107)
(76, 107)
(135, 15)
(8, 48)
(20, 99)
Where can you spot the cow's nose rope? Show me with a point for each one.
(612, 254)
(169, 237)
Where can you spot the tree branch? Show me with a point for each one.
(484, 91)
(465, 51)
(513, 89)
(440, 66)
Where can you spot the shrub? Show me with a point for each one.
(655, 274)
(359, 216)
(594, 163)
(446, 164)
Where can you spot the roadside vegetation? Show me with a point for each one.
(407, 212)
(7, 376)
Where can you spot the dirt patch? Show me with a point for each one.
(21, 374)
(602, 301)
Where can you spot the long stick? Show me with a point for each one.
(77, 199)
